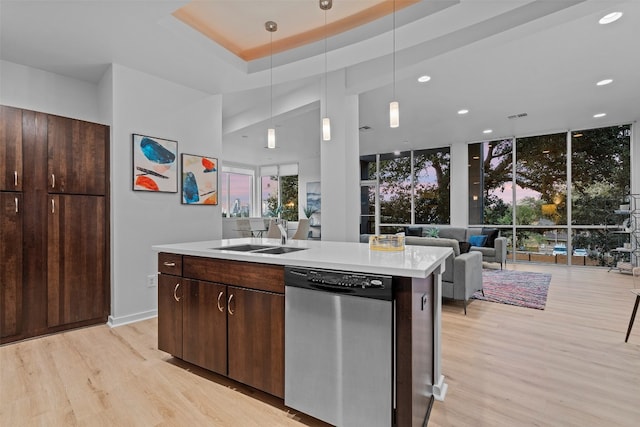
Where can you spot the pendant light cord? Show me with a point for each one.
(271, 77)
(326, 83)
(394, 50)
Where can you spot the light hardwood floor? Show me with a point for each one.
(566, 365)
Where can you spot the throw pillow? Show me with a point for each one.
(430, 232)
(492, 234)
(478, 240)
(464, 247)
(413, 231)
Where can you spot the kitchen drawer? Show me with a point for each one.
(170, 264)
(252, 275)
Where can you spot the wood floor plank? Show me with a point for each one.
(565, 366)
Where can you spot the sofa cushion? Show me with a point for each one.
(434, 241)
(492, 234)
(457, 233)
(477, 240)
(413, 231)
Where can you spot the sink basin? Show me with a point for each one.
(243, 248)
(279, 250)
(260, 249)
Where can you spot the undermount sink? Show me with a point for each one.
(260, 249)
(279, 250)
(243, 248)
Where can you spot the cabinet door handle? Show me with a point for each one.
(15, 178)
(53, 206)
(229, 304)
(176, 297)
(169, 264)
(219, 306)
(15, 199)
(53, 180)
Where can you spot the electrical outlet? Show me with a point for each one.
(151, 280)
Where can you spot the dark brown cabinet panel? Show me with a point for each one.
(11, 271)
(76, 259)
(55, 270)
(10, 149)
(77, 156)
(236, 331)
(256, 339)
(204, 325)
(171, 296)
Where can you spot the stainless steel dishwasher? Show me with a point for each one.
(339, 346)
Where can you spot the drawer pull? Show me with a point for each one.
(169, 264)
(53, 180)
(219, 306)
(15, 199)
(15, 178)
(229, 304)
(176, 297)
(53, 206)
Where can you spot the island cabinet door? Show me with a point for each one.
(256, 339)
(204, 325)
(170, 304)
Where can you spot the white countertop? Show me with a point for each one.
(414, 261)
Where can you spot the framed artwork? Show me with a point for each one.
(313, 196)
(155, 164)
(199, 180)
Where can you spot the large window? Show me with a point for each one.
(490, 182)
(236, 191)
(279, 191)
(412, 188)
(565, 193)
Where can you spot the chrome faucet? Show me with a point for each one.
(283, 234)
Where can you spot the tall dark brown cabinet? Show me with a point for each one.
(54, 228)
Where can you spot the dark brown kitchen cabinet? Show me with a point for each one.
(256, 339)
(55, 274)
(10, 149)
(225, 316)
(77, 153)
(204, 325)
(170, 311)
(11, 271)
(76, 256)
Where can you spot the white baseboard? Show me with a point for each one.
(132, 318)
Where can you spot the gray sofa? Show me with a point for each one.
(463, 272)
(496, 253)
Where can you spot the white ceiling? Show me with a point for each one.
(494, 57)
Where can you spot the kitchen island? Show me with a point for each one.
(222, 304)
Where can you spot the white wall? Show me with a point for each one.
(132, 102)
(459, 185)
(37, 90)
(148, 105)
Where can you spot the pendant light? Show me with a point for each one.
(394, 107)
(326, 123)
(271, 27)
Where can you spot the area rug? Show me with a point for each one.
(521, 288)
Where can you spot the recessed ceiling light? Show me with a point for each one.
(597, 116)
(604, 82)
(424, 79)
(487, 131)
(609, 18)
(463, 111)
